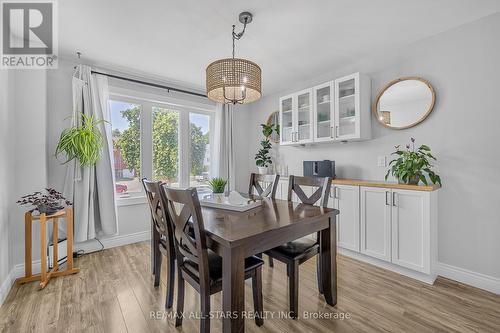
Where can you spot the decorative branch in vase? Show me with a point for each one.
(263, 158)
(45, 203)
(411, 166)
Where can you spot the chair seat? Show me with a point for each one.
(295, 249)
(215, 266)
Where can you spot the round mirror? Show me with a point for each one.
(404, 102)
(274, 119)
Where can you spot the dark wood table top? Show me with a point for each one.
(232, 229)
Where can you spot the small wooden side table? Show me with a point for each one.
(45, 276)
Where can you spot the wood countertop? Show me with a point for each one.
(384, 184)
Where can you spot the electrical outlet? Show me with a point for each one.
(381, 161)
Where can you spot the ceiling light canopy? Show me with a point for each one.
(234, 80)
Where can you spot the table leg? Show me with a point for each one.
(233, 290)
(55, 241)
(328, 257)
(27, 245)
(69, 237)
(43, 251)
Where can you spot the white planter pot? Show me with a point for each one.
(262, 170)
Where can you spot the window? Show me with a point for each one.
(199, 140)
(166, 146)
(126, 128)
(154, 137)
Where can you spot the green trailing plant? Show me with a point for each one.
(83, 142)
(218, 185)
(412, 166)
(262, 158)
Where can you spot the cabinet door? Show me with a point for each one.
(304, 116)
(347, 108)
(376, 222)
(287, 129)
(347, 202)
(411, 229)
(323, 112)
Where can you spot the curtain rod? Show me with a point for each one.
(156, 85)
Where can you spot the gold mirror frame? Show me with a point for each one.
(390, 84)
(269, 121)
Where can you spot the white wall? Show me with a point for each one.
(463, 132)
(5, 175)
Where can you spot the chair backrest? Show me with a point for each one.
(157, 205)
(183, 207)
(322, 192)
(271, 188)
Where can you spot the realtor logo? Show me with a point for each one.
(28, 35)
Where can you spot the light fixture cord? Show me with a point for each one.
(237, 36)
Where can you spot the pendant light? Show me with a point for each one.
(234, 80)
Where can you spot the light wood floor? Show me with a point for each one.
(114, 293)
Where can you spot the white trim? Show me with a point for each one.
(138, 200)
(6, 286)
(468, 277)
(121, 240)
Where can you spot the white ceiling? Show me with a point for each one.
(292, 40)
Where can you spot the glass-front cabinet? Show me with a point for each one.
(323, 112)
(296, 112)
(338, 110)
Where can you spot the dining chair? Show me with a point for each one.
(272, 182)
(299, 251)
(162, 241)
(198, 265)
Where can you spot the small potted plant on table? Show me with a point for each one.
(411, 166)
(218, 186)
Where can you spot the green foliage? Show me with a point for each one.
(165, 144)
(83, 142)
(412, 165)
(262, 158)
(218, 185)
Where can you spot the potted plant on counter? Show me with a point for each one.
(263, 158)
(411, 166)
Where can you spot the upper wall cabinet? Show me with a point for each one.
(334, 111)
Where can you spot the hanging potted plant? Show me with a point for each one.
(263, 158)
(82, 142)
(411, 166)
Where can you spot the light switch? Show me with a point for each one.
(381, 161)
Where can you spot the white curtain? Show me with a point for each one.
(223, 164)
(92, 188)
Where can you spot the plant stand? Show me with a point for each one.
(45, 276)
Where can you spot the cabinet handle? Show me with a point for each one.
(337, 131)
(394, 199)
(336, 193)
(332, 196)
(331, 132)
(386, 201)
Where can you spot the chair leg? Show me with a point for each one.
(271, 262)
(257, 296)
(205, 311)
(293, 286)
(170, 281)
(180, 300)
(157, 265)
(318, 274)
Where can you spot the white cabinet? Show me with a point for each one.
(411, 217)
(376, 222)
(352, 108)
(333, 111)
(296, 118)
(346, 200)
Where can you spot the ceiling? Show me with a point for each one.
(292, 40)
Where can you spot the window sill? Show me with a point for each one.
(139, 200)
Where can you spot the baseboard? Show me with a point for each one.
(6, 286)
(478, 280)
(126, 239)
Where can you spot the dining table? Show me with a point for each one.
(237, 235)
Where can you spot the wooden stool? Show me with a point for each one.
(45, 276)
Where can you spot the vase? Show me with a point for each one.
(414, 180)
(47, 209)
(262, 170)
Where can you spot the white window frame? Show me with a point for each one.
(147, 101)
